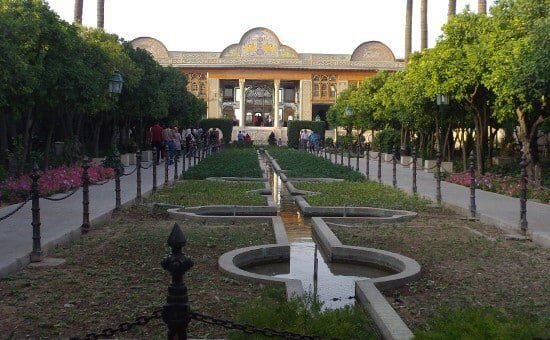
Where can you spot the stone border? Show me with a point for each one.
(367, 291)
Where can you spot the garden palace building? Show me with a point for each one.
(262, 84)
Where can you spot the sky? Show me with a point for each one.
(308, 26)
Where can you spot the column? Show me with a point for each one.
(242, 103)
(213, 98)
(305, 102)
(276, 84)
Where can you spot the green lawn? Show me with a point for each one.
(302, 164)
(232, 162)
(202, 192)
(361, 194)
(113, 274)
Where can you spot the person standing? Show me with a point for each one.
(177, 141)
(156, 139)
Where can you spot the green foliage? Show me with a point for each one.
(225, 125)
(295, 126)
(112, 160)
(203, 192)
(385, 140)
(485, 323)
(303, 315)
(364, 194)
(232, 162)
(303, 164)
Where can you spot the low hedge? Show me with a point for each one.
(294, 127)
(225, 125)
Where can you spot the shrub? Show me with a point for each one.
(295, 126)
(225, 125)
(386, 140)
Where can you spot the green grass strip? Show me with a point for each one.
(232, 162)
(361, 194)
(200, 192)
(303, 164)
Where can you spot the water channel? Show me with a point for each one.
(335, 282)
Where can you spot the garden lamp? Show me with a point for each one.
(115, 83)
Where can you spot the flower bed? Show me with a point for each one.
(51, 181)
(505, 185)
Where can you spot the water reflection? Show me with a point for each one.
(334, 280)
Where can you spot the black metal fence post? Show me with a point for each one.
(472, 186)
(118, 203)
(380, 164)
(176, 311)
(36, 255)
(155, 169)
(85, 227)
(349, 156)
(324, 152)
(195, 155)
(438, 178)
(166, 161)
(138, 176)
(342, 156)
(414, 188)
(394, 167)
(176, 158)
(367, 161)
(523, 196)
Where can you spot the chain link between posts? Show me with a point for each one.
(57, 199)
(19, 207)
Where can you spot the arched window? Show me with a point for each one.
(196, 84)
(324, 87)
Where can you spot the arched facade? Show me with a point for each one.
(300, 85)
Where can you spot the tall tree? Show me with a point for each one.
(408, 29)
(452, 9)
(423, 24)
(520, 69)
(100, 13)
(482, 6)
(78, 4)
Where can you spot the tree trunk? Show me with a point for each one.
(452, 9)
(464, 147)
(97, 134)
(47, 147)
(100, 13)
(3, 138)
(480, 136)
(408, 29)
(78, 11)
(26, 141)
(423, 24)
(527, 136)
(482, 6)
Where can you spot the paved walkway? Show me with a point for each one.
(61, 220)
(492, 208)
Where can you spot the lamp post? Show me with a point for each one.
(442, 100)
(115, 89)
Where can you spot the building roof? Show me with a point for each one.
(260, 48)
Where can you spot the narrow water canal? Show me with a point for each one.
(335, 282)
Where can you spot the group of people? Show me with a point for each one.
(310, 140)
(165, 136)
(242, 137)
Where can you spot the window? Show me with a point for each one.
(196, 84)
(324, 87)
(289, 95)
(228, 94)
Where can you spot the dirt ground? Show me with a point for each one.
(460, 268)
(113, 275)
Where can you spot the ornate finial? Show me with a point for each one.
(177, 238)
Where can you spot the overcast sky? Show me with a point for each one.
(308, 26)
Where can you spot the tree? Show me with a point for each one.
(451, 9)
(408, 29)
(78, 4)
(101, 14)
(423, 24)
(519, 45)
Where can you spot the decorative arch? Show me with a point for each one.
(259, 42)
(373, 51)
(152, 45)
